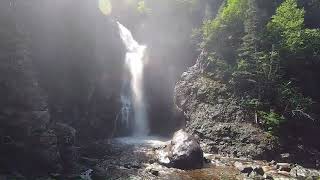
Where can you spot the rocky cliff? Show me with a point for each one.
(215, 115)
(27, 140)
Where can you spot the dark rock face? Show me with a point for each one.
(69, 153)
(27, 141)
(79, 57)
(214, 114)
(183, 152)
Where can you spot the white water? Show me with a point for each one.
(133, 99)
(146, 140)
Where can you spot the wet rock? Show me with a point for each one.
(284, 167)
(269, 168)
(247, 169)
(99, 173)
(299, 171)
(255, 175)
(85, 175)
(267, 176)
(259, 170)
(273, 162)
(89, 161)
(70, 158)
(154, 172)
(69, 153)
(285, 157)
(302, 172)
(183, 152)
(65, 133)
(206, 160)
(133, 165)
(284, 173)
(27, 142)
(55, 175)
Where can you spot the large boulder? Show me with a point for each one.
(68, 152)
(215, 115)
(183, 152)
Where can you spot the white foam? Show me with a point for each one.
(143, 140)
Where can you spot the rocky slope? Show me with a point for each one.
(215, 115)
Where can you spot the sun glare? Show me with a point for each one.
(105, 7)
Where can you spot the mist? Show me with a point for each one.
(159, 89)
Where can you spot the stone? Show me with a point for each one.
(284, 173)
(89, 161)
(255, 175)
(273, 162)
(183, 152)
(206, 160)
(267, 176)
(299, 171)
(132, 165)
(99, 173)
(259, 170)
(285, 156)
(218, 118)
(65, 133)
(154, 172)
(70, 157)
(284, 167)
(247, 169)
(269, 168)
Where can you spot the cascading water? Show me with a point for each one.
(132, 95)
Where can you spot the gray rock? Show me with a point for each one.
(247, 169)
(284, 167)
(183, 152)
(259, 170)
(213, 114)
(65, 133)
(99, 173)
(89, 161)
(29, 144)
(154, 172)
(285, 157)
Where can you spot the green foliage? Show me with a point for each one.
(105, 7)
(230, 17)
(142, 7)
(291, 99)
(288, 18)
(259, 54)
(248, 52)
(312, 41)
(269, 66)
(287, 27)
(251, 103)
(271, 120)
(212, 62)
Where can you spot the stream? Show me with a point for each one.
(137, 158)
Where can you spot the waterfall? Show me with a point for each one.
(132, 95)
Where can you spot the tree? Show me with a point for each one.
(223, 33)
(248, 51)
(287, 26)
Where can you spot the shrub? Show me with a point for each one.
(271, 120)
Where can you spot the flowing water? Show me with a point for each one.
(132, 96)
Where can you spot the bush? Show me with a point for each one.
(291, 99)
(271, 120)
